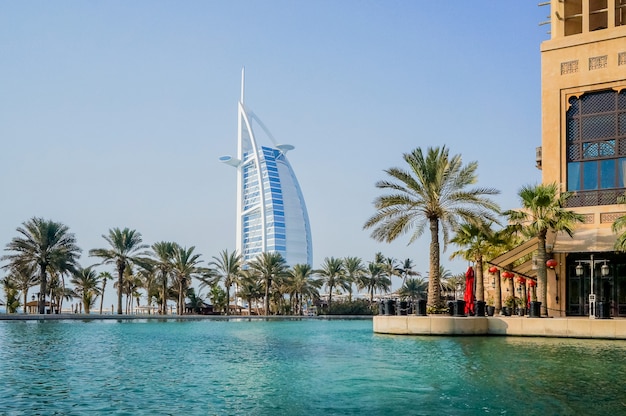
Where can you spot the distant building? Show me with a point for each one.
(271, 213)
(583, 148)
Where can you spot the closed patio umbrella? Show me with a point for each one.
(469, 291)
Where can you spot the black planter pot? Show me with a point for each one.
(506, 311)
(480, 307)
(491, 310)
(535, 309)
(521, 311)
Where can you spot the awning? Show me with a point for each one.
(525, 269)
(512, 255)
(585, 241)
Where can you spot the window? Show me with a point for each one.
(596, 142)
(620, 12)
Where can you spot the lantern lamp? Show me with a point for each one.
(552, 263)
(493, 269)
(579, 270)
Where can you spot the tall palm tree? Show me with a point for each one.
(103, 277)
(163, 252)
(354, 269)
(46, 245)
(227, 268)
(125, 248)
(474, 238)
(375, 279)
(333, 276)
(543, 209)
(433, 192)
(249, 288)
(406, 270)
(302, 285)
(185, 266)
(267, 266)
(85, 283)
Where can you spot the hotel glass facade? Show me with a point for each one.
(271, 213)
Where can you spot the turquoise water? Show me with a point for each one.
(307, 367)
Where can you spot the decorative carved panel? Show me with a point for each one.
(598, 62)
(610, 217)
(569, 67)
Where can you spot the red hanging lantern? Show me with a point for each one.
(507, 275)
(532, 283)
(521, 280)
(493, 269)
(552, 263)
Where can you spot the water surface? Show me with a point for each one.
(303, 367)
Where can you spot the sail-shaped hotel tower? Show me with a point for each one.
(271, 213)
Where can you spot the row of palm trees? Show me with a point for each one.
(435, 192)
(45, 253)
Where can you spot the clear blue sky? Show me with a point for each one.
(114, 113)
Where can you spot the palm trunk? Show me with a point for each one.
(227, 299)
(104, 284)
(268, 282)
(542, 275)
(41, 302)
(25, 300)
(434, 289)
(120, 286)
(498, 301)
(330, 297)
(181, 299)
(480, 280)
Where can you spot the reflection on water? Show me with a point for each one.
(297, 368)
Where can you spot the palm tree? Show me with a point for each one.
(267, 266)
(23, 279)
(185, 266)
(218, 297)
(250, 289)
(126, 246)
(302, 285)
(434, 193)
(103, 276)
(476, 238)
(227, 268)
(406, 270)
(12, 294)
(354, 269)
(45, 245)
(543, 210)
(414, 288)
(375, 278)
(85, 283)
(163, 252)
(333, 275)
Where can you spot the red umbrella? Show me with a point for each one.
(469, 291)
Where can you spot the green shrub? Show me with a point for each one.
(355, 307)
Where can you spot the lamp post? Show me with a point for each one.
(604, 271)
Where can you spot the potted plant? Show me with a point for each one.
(508, 303)
(521, 306)
(491, 309)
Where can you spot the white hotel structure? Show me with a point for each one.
(271, 213)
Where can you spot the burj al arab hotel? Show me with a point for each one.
(271, 213)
